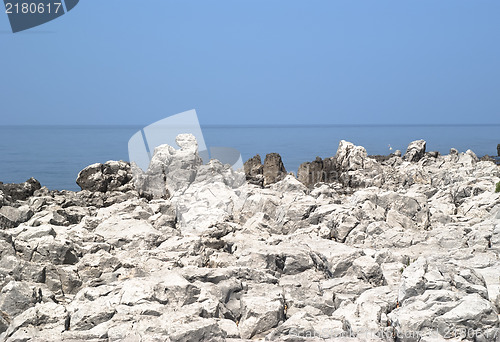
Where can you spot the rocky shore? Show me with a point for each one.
(353, 248)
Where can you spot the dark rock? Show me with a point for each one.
(273, 169)
(22, 191)
(310, 173)
(498, 150)
(253, 167)
(72, 215)
(6, 247)
(487, 158)
(4, 321)
(254, 170)
(112, 175)
(330, 170)
(320, 170)
(432, 154)
(58, 219)
(86, 316)
(15, 297)
(6, 222)
(381, 158)
(415, 151)
(21, 270)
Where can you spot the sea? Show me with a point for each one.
(55, 154)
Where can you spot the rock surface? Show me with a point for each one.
(353, 249)
(415, 151)
(273, 169)
(320, 170)
(21, 192)
(254, 170)
(112, 175)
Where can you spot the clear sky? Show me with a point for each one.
(256, 62)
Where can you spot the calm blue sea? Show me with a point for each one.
(55, 154)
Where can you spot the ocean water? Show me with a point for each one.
(55, 154)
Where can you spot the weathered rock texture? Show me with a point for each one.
(406, 249)
(415, 151)
(21, 191)
(112, 175)
(321, 170)
(270, 172)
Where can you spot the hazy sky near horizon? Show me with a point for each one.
(256, 62)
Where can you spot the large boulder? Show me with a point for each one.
(262, 308)
(170, 169)
(15, 297)
(351, 157)
(367, 269)
(47, 248)
(415, 151)
(11, 217)
(25, 326)
(112, 175)
(210, 199)
(86, 315)
(437, 296)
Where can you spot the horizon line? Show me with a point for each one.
(244, 125)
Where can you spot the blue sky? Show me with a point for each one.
(256, 62)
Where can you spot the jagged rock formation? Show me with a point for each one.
(396, 250)
(271, 172)
(254, 170)
(170, 170)
(21, 192)
(320, 170)
(415, 151)
(273, 169)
